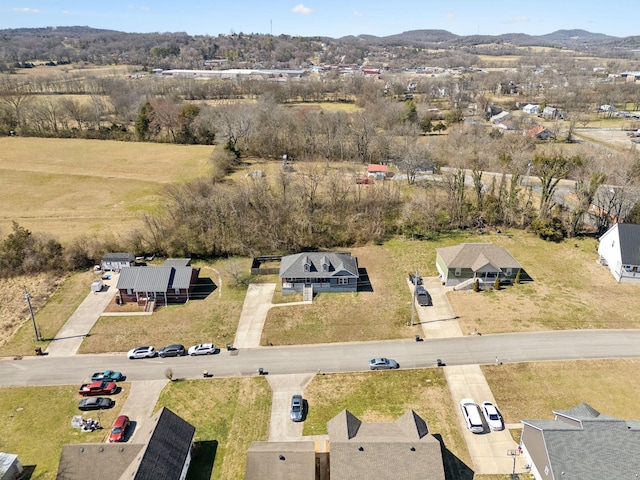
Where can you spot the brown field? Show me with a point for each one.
(68, 188)
(77, 69)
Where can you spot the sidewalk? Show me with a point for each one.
(68, 340)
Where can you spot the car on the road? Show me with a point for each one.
(423, 297)
(493, 416)
(202, 349)
(174, 350)
(297, 407)
(108, 375)
(119, 429)
(415, 279)
(142, 352)
(471, 414)
(98, 388)
(95, 403)
(382, 363)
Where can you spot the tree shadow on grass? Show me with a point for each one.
(454, 468)
(204, 455)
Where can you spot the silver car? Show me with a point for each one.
(383, 364)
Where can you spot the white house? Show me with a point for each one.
(619, 249)
(530, 109)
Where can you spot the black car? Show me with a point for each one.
(423, 297)
(95, 403)
(175, 350)
(415, 279)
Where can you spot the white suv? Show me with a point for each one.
(471, 414)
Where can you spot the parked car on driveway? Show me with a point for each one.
(383, 364)
(297, 407)
(493, 416)
(423, 297)
(119, 429)
(98, 388)
(142, 352)
(108, 375)
(471, 414)
(95, 403)
(202, 349)
(174, 350)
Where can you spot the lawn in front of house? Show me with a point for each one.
(36, 421)
(228, 413)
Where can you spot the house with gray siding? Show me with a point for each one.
(581, 443)
(319, 272)
(468, 262)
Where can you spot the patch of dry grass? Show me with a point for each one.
(54, 299)
(228, 413)
(67, 187)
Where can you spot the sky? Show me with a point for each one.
(331, 18)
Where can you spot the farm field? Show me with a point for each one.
(68, 188)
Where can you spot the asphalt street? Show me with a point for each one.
(327, 358)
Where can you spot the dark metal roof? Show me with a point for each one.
(318, 265)
(177, 262)
(585, 444)
(154, 279)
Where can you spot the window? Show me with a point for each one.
(458, 272)
(343, 281)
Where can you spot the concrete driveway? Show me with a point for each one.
(68, 340)
(140, 404)
(257, 303)
(281, 428)
(437, 320)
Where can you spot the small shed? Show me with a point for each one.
(117, 261)
(10, 467)
(379, 172)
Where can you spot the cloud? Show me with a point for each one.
(517, 20)
(26, 10)
(300, 8)
(452, 15)
(358, 14)
(65, 12)
(145, 9)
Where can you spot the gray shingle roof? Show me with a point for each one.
(118, 257)
(281, 461)
(629, 234)
(476, 255)
(587, 445)
(318, 265)
(111, 460)
(384, 448)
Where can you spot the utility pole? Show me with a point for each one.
(413, 298)
(33, 318)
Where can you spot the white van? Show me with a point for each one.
(471, 414)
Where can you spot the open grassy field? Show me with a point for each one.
(69, 188)
(36, 421)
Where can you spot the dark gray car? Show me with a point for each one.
(297, 408)
(175, 350)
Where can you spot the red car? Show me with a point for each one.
(98, 388)
(119, 429)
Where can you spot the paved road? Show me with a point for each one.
(341, 357)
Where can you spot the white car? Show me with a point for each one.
(202, 349)
(471, 414)
(493, 416)
(142, 352)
